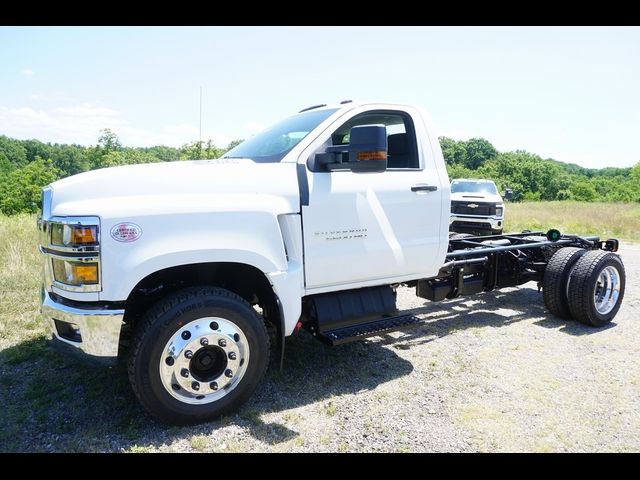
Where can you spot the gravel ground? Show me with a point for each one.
(492, 372)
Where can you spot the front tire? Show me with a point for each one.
(198, 354)
(596, 288)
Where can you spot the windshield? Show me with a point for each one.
(272, 144)
(469, 186)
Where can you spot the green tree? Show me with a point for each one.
(20, 190)
(454, 152)
(635, 172)
(200, 150)
(163, 153)
(13, 151)
(479, 151)
(191, 151)
(233, 144)
(109, 141)
(583, 190)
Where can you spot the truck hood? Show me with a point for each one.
(174, 187)
(475, 197)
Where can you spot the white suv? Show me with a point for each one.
(476, 207)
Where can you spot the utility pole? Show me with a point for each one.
(200, 137)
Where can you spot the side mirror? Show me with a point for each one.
(366, 152)
(368, 148)
(508, 194)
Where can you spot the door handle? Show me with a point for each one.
(424, 188)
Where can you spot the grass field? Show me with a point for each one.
(620, 220)
(40, 387)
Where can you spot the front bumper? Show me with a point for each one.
(94, 332)
(476, 222)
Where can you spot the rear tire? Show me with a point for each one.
(556, 276)
(596, 288)
(198, 354)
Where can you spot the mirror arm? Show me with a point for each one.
(326, 158)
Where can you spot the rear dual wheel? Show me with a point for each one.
(556, 280)
(587, 286)
(597, 287)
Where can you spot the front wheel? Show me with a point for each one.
(198, 354)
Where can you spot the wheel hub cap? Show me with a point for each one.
(607, 290)
(204, 360)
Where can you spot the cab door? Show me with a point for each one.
(365, 227)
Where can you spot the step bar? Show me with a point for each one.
(360, 331)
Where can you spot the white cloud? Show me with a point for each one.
(181, 129)
(27, 72)
(81, 124)
(86, 110)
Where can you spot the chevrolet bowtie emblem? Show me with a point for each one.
(473, 205)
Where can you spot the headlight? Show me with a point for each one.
(499, 210)
(72, 249)
(74, 273)
(73, 235)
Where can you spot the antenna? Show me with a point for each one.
(200, 137)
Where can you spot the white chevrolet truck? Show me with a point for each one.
(476, 206)
(187, 270)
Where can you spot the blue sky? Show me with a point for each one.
(570, 93)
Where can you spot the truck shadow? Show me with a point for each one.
(53, 402)
(494, 309)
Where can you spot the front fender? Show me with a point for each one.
(252, 238)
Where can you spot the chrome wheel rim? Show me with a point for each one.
(204, 360)
(607, 290)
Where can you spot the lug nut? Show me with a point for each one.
(186, 335)
(195, 386)
(232, 355)
(228, 373)
(213, 386)
(204, 342)
(188, 354)
(213, 325)
(222, 342)
(184, 372)
(169, 361)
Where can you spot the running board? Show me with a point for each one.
(362, 330)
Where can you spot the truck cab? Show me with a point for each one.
(299, 210)
(476, 207)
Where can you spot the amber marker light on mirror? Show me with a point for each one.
(372, 155)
